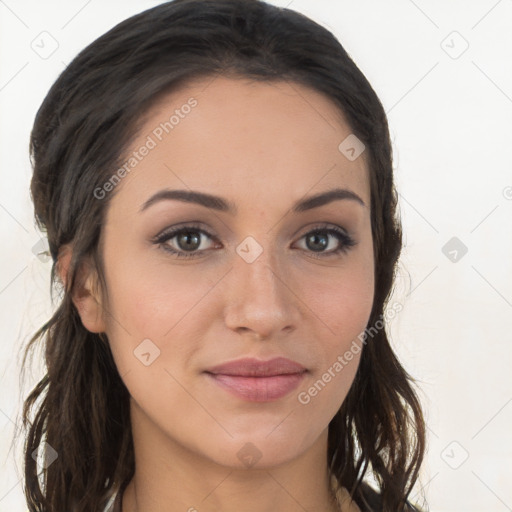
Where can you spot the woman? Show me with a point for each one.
(215, 181)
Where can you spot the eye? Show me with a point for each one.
(318, 239)
(188, 241)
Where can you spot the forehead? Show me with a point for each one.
(244, 138)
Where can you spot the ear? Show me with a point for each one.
(86, 296)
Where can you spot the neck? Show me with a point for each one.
(171, 478)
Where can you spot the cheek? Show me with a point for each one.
(343, 301)
(345, 304)
(166, 304)
(149, 299)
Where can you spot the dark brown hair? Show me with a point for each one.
(81, 131)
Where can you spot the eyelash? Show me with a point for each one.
(347, 242)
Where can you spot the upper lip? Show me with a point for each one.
(251, 367)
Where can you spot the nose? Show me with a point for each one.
(259, 299)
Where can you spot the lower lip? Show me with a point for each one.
(258, 389)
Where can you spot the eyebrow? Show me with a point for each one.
(222, 205)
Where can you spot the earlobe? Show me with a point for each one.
(86, 295)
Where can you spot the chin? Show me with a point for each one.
(260, 450)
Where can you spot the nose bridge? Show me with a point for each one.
(260, 300)
(256, 267)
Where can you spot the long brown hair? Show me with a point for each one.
(83, 127)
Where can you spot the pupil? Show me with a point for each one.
(185, 238)
(316, 237)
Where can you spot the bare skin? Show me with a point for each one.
(262, 147)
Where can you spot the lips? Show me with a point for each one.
(258, 381)
(251, 367)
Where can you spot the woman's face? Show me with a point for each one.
(257, 283)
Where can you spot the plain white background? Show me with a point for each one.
(443, 74)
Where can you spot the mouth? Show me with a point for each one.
(258, 381)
